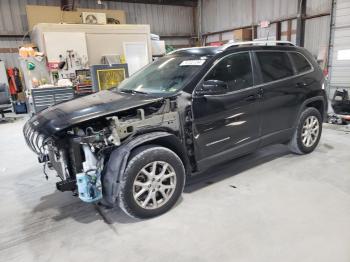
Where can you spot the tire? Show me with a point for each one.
(309, 119)
(145, 190)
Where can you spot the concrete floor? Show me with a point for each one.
(268, 206)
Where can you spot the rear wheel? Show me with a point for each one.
(308, 132)
(152, 183)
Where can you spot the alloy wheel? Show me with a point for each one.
(154, 185)
(310, 131)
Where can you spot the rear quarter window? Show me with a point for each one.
(274, 65)
(301, 64)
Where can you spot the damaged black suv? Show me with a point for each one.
(192, 109)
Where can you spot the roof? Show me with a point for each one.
(255, 45)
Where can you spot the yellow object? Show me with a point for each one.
(26, 52)
(110, 78)
(122, 59)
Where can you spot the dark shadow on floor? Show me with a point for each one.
(69, 206)
(234, 167)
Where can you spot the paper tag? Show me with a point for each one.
(344, 54)
(192, 63)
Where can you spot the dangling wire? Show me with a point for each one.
(44, 170)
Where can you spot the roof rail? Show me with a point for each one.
(257, 42)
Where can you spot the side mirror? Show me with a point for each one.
(213, 87)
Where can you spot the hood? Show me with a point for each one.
(62, 116)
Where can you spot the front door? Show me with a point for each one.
(227, 124)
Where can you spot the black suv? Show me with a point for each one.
(192, 109)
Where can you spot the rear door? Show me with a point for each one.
(283, 93)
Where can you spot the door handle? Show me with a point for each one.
(301, 84)
(251, 98)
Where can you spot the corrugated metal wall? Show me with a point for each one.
(268, 33)
(315, 7)
(275, 9)
(164, 20)
(11, 59)
(317, 30)
(225, 14)
(317, 34)
(221, 15)
(217, 15)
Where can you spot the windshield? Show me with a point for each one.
(167, 75)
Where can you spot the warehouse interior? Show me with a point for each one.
(60, 59)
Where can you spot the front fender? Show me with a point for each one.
(117, 164)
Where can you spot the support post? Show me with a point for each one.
(300, 36)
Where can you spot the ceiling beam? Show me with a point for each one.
(191, 3)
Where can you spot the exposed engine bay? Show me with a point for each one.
(79, 154)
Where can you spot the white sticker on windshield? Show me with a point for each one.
(192, 63)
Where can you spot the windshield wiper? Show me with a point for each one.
(130, 91)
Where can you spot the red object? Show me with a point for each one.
(264, 24)
(12, 81)
(83, 89)
(325, 72)
(216, 44)
(52, 65)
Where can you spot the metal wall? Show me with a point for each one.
(221, 15)
(315, 7)
(340, 51)
(317, 34)
(11, 59)
(317, 29)
(218, 15)
(226, 14)
(164, 20)
(275, 9)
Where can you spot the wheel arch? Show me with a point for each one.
(119, 157)
(317, 102)
(173, 143)
(319, 105)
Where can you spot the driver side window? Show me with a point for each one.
(235, 70)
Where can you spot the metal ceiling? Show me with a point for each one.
(192, 3)
(69, 5)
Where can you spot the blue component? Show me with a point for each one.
(89, 186)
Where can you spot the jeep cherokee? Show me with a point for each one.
(134, 146)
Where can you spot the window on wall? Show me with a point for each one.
(274, 65)
(300, 63)
(235, 70)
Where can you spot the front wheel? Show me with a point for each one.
(152, 182)
(308, 132)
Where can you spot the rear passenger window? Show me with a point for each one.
(300, 62)
(274, 65)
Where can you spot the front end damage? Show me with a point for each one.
(81, 154)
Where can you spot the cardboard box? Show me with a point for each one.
(37, 14)
(21, 97)
(241, 35)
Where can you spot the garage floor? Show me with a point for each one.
(268, 206)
